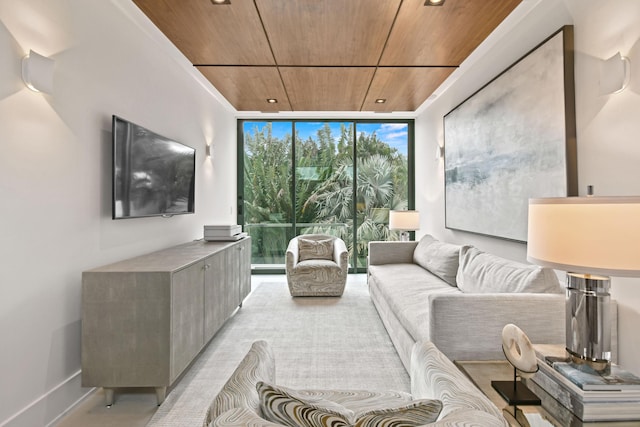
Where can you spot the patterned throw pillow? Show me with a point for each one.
(241, 417)
(315, 249)
(287, 407)
(416, 413)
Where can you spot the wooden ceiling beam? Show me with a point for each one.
(326, 55)
(442, 35)
(335, 32)
(403, 88)
(326, 88)
(248, 88)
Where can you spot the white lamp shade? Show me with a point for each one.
(37, 72)
(592, 235)
(404, 220)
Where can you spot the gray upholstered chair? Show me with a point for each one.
(316, 265)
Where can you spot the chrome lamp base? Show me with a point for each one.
(588, 324)
(404, 236)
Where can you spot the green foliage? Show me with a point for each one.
(324, 188)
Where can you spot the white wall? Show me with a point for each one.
(55, 206)
(607, 127)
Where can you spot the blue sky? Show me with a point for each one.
(394, 134)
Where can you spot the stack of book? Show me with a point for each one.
(223, 233)
(588, 395)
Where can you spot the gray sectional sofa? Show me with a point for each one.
(435, 383)
(459, 298)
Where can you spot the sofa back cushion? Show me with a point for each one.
(480, 272)
(439, 258)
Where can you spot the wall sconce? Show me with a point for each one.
(615, 73)
(37, 72)
(439, 152)
(208, 150)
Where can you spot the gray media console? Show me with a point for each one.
(145, 319)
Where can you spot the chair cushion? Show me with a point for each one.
(439, 258)
(415, 413)
(295, 408)
(241, 417)
(309, 249)
(361, 401)
(240, 390)
(287, 407)
(481, 272)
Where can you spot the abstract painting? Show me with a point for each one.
(512, 140)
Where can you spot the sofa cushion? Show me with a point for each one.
(315, 249)
(240, 390)
(406, 289)
(360, 401)
(288, 407)
(241, 417)
(439, 258)
(415, 413)
(480, 272)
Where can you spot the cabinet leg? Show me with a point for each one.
(108, 396)
(161, 393)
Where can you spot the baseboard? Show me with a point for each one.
(51, 406)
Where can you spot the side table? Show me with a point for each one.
(550, 413)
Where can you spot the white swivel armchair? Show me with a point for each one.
(317, 265)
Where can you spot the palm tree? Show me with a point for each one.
(375, 190)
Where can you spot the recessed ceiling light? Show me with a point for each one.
(380, 101)
(221, 1)
(434, 2)
(272, 100)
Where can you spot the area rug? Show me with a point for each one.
(318, 342)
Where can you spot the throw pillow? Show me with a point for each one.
(416, 413)
(315, 249)
(290, 408)
(439, 258)
(481, 272)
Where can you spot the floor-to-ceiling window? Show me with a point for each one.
(338, 177)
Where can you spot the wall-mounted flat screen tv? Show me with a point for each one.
(152, 175)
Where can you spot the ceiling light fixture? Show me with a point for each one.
(272, 100)
(381, 101)
(434, 2)
(221, 1)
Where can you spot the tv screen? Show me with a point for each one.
(152, 175)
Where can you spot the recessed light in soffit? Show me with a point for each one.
(272, 100)
(380, 101)
(434, 2)
(216, 2)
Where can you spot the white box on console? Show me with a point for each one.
(222, 230)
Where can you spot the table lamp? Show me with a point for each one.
(590, 238)
(404, 221)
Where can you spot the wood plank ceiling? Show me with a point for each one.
(326, 55)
